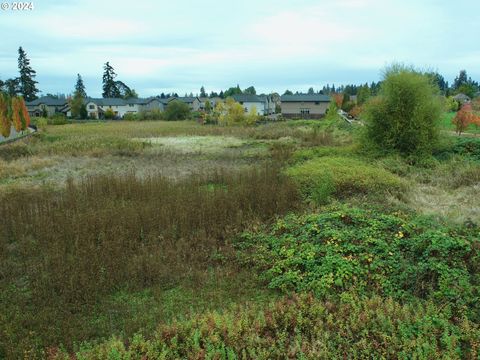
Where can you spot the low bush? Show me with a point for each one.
(14, 151)
(130, 117)
(348, 249)
(57, 119)
(302, 327)
(154, 114)
(342, 176)
(467, 147)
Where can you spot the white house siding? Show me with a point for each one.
(92, 110)
(260, 107)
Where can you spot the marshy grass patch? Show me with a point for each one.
(195, 144)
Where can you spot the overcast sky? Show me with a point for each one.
(161, 46)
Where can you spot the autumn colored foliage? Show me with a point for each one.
(4, 118)
(338, 98)
(356, 111)
(13, 111)
(465, 116)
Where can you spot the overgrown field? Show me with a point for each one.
(117, 237)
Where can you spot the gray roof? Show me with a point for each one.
(305, 98)
(48, 101)
(185, 99)
(249, 98)
(122, 102)
(461, 97)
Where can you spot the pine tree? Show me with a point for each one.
(27, 77)
(460, 80)
(202, 92)
(80, 87)
(110, 89)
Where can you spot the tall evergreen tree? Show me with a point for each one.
(110, 88)
(80, 87)
(250, 90)
(202, 92)
(460, 80)
(27, 82)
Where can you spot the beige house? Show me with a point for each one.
(47, 104)
(304, 106)
(193, 102)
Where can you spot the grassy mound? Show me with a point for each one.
(347, 249)
(321, 177)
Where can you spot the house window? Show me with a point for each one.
(91, 107)
(131, 105)
(246, 109)
(317, 102)
(304, 111)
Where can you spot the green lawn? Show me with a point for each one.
(446, 123)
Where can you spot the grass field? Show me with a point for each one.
(446, 124)
(117, 237)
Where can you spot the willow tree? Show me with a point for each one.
(404, 117)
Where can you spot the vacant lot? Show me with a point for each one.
(113, 229)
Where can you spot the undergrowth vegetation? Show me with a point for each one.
(63, 252)
(365, 252)
(302, 327)
(296, 240)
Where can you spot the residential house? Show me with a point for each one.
(304, 106)
(462, 98)
(96, 107)
(192, 101)
(263, 104)
(213, 101)
(49, 104)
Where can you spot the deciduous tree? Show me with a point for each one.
(404, 117)
(5, 121)
(16, 113)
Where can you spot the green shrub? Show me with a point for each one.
(109, 114)
(154, 114)
(177, 110)
(348, 249)
(404, 118)
(130, 117)
(40, 122)
(302, 327)
(57, 119)
(347, 175)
